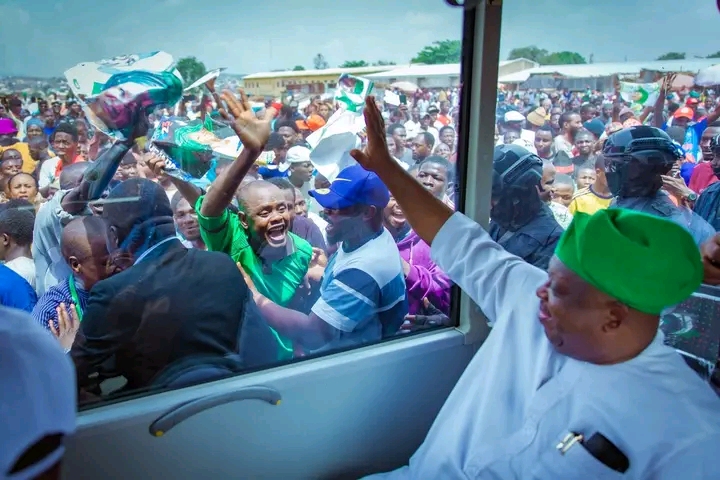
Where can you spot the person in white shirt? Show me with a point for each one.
(16, 235)
(426, 126)
(412, 126)
(575, 356)
(514, 121)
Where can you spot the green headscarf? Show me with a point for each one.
(644, 261)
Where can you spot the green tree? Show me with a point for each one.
(543, 57)
(298, 68)
(530, 53)
(714, 55)
(191, 69)
(563, 58)
(319, 62)
(354, 64)
(383, 63)
(444, 51)
(672, 56)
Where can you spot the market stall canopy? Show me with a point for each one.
(407, 87)
(682, 81)
(707, 77)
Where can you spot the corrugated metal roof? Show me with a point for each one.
(420, 71)
(591, 70)
(452, 69)
(327, 71)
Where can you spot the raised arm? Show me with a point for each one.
(460, 247)
(425, 213)
(254, 134)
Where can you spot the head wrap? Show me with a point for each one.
(646, 262)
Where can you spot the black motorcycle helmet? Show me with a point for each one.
(517, 175)
(635, 159)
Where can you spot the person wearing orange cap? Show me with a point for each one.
(311, 124)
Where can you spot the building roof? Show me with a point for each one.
(318, 73)
(420, 70)
(592, 70)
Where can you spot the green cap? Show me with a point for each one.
(646, 262)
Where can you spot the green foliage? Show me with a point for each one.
(383, 63)
(440, 52)
(191, 69)
(543, 57)
(672, 56)
(354, 64)
(298, 68)
(714, 55)
(564, 58)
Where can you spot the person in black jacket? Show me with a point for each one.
(521, 223)
(168, 304)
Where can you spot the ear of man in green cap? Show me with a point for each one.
(612, 275)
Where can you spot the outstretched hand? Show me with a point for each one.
(376, 153)
(253, 132)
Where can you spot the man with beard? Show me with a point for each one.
(362, 295)
(258, 239)
(570, 124)
(637, 163)
(540, 398)
(258, 236)
(300, 225)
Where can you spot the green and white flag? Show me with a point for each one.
(352, 91)
(640, 95)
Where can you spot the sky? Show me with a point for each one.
(46, 37)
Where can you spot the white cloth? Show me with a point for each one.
(25, 267)
(412, 129)
(37, 381)
(518, 397)
(47, 172)
(560, 144)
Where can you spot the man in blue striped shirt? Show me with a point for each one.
(362, 294)
(84, 248)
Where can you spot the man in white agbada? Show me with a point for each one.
(574, 353)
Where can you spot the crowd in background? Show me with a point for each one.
(261, 259)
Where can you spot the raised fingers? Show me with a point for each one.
(244, 100)
(373, 118)
(270, 113)
(234, 106)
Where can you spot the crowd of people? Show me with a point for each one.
(328, 264)
(261, 259)
(148, 277)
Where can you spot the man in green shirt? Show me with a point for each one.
(258, 236)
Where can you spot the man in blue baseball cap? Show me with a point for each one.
(362, 294)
